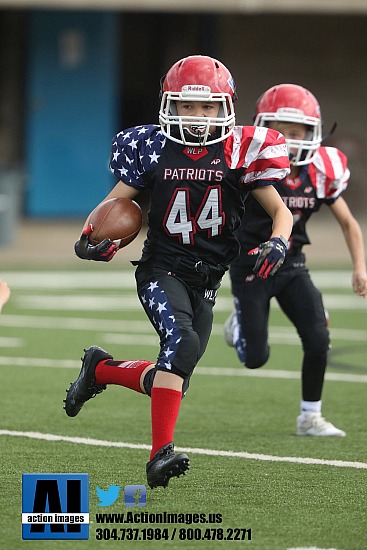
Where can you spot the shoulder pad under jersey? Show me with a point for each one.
(135, 151)
(260, 151)
(329, 172)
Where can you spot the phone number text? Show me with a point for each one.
(182, 533)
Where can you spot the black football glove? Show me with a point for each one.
(102, 252)
(271, 256)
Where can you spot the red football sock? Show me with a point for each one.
(122, 373)
(165, 406)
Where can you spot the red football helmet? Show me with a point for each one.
(292, 103)
(197, 78)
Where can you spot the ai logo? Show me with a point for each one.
(55, 506)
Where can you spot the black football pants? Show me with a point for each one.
(182, 317)
(301, 302)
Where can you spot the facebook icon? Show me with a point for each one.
(135, 495)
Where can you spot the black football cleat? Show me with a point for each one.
(85, 386)
(166, 464)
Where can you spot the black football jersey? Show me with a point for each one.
(197, 194)
(321, 181)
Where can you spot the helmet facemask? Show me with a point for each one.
(301, 151)
(181, 129)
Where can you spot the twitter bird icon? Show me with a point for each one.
(106, 498)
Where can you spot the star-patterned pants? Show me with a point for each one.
(181, 315)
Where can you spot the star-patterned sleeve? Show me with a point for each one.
(135, 151)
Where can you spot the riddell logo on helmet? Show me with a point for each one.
(292, 111)
(195, 88)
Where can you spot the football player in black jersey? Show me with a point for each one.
(199, 167)
(318, 175)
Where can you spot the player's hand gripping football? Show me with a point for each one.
(271, 256)
(102, 252)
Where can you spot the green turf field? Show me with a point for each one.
(248, 467)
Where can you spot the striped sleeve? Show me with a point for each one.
(329, 173)
(261, 152)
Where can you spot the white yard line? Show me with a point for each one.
(33, 362)
(206, 452)
(11, 342)
(129, 302)
(75, 323)
(125, 279)
(122, 327)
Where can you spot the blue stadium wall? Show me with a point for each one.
(71, 110)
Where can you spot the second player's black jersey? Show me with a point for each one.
(320, 182)
(197, 193)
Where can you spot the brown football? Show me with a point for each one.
(117, 220)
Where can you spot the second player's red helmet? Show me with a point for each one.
(197, 78)
(292, 103)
